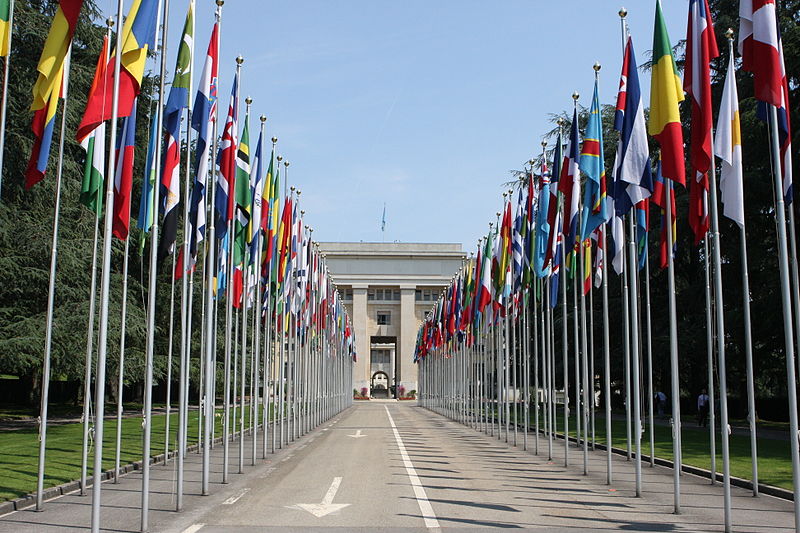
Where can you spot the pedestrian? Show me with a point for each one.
(661, 403)
(702, 408)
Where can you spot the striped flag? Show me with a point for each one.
(666, 93)
(592, 163)
(569, 184)
(177, 101)
(5, 27)
(123, 177)
(227, 163)
(95, 144)
(204, 115)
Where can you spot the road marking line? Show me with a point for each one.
(236, 498)
(419, 491)
(194, 528)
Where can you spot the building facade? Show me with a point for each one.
(387, 289)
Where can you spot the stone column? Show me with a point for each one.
(361, 368)
(408, 336)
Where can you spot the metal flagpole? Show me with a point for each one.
(4, 104)
(87, 373)
(710, 303)
(720, 316)
(673, 356)
(748, 340)
(257, 312)
(634, 352)
(170, 337)
(210, 319)
(564, 349)
(186, 296)
(547, 342)
(649, 340)
(535, 320)
(51, 293)
(584, 361)
(151, 304)
(606, 357)
(591, 382)
(121, 369)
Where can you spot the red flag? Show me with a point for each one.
(123, 177)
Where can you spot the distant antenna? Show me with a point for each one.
(383, 224)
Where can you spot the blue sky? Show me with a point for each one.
(423, 105)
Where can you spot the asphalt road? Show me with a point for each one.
(388, 466)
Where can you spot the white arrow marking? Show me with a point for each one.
(358, 435)
(236, 498)
(327, 506)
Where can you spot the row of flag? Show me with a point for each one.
(555, 223)
(260, 235)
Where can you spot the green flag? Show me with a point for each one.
(92, 184)
(243, 196)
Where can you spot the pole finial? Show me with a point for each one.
(274, 140)
(280, 157)
(560, 122)
(622, 12)
(729, 34)
(291, 188)
(248, 101)
(597, 66)
(263, 118)
(110, 22)
(286, 163)
(239, 60)
(220, 2)
(576, 95)
(544, 144)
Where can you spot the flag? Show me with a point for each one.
(5, 27)
(54, 53)
(759, 46)
(542, 226)
(553, 206)
(517, 241)
(556, 275)
(632, 180)
(257, 186)
(383, 219)
(243, 199)
(226, 159)
(701, 48)
(204, 115)
(662, 187)
(95, 144)
(592, 163)
(569, 184)
(485, 291)
(666, 93)
(177, 101)
(145, 219)
(42, 126)
(138, 38)
(599, 256)
(728, 147)
(123, 176)
(642, 228)
(587, 266)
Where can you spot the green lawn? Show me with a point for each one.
(774, 459)
(19, 450)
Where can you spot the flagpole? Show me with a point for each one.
(710, 303)
(87, 376)
(673, 356)
(634, 352)
(121, 369)
(649, 330)
(152, 288)
(606, 358)
(4, 105)
(748, 341)
(51, 299)
(257, 307)
(186, 296)
(170, 337)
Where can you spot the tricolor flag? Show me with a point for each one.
(542, 228)
(569, 184)
(517, 241)
(599, 257)
(666, 92)
(485, 291)
(592, 163)
(660, 190)
(123, 177)
(95, 144)
(701, 48)
(204, 115)
(553, 205)
(227, 163)
(257, 186)
(728, 147)
(177, 101)
(138, 38)
(243, 200)
(42, 126)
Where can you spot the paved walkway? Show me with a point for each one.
(388, 466)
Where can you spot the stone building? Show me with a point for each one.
(387, 289)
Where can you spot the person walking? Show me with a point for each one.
(702, 408)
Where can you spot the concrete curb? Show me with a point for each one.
(29, 500)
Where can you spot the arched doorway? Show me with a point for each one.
(379, 385)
